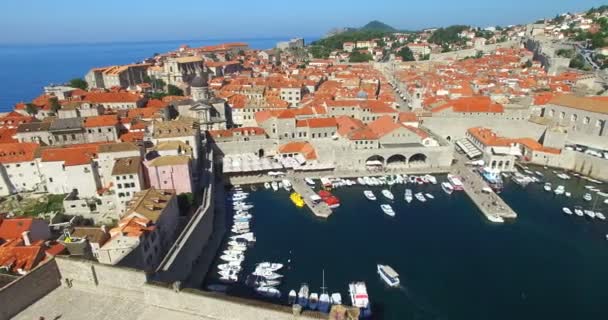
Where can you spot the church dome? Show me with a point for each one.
(198, 81)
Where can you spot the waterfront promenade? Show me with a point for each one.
(320, 209)
(490, 204)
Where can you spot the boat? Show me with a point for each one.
(538, 173)
(606, 201)
(270, 266)
(600, 216)
(420, 197)
(408, 195)
(563, 176)
(266, 185)
(269, 292)
(227, 267)
(447, 187)
(547, 187)
(587, 197)
(456, 182)
(286, 185)
(267, 274)
(309, 181)
(567, 210)
(331, 200)
(495, 218)
(589, 213)
(292, 297)
(361, 181)
(430, 196)
(568, 194)
(336, 298)
(369, 195)
(269, 283)
(324, 301)
(232, 257)
(296, 198)
(431, 179)
(313, 301)
(303, 296)
(493, 179)
(579, 212)
(560, 190)
(388, 194)
(249, 237)
(388, 210)
(389, 275)
(275, 186)
(359, 297)
(229, 278)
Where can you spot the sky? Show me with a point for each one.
(71, 21)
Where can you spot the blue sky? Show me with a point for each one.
(68, 21)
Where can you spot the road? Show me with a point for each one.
(389, 71)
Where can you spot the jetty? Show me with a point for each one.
(320, 209)
(489, 203)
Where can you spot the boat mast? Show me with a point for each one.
(323, 288)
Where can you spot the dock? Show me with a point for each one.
(490, 204)
(321, 209)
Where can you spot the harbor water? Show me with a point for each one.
(452, 262)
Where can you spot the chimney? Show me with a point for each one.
(26, 238)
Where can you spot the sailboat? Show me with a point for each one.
(324, 301)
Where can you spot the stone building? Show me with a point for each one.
(116, 76)
(128, 178)
(170, 172)
(36, 132)
(102, 128)
(67, 131)
(585, 115)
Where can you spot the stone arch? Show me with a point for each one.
(500, 164)
(418, 159)
(493, 164)
(396, 160)
(375, 161)
(448, 138)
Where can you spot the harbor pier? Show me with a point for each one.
(490, 204)
(320, 209)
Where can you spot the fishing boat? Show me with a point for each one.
(389, 275)
(269, 292)
(275, 186)
(270, 266)
(303, 295)
(388, 210)
(266, 185)
(309, 181)
(587, 197)
(292, 297)
(336, 298)
(567, 210)
(456, 182)
(447, 187)
(420, 197)
(296, 198)
(331, 200)
(313, 301)
(388, 194)
(369, 195)
(324, 301)
(579, 212)
(430, 196)
(408, 195)
(359, 298)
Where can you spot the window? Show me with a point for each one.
(586, 120)
(131, 176)
(562, 115)
(573, 117)
(50, 179)
(18, 165)
(119, 186)
(598, 123)
(552, 113)
(117, 177)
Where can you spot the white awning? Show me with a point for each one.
(374, 163)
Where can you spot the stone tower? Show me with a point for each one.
(199, 87)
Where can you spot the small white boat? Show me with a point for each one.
(587, 197)
(388, 210)
(336, 298)
(266, 185)
(589, 213)
(387, 194)
(606, 201)
(303, 296)
(578, 212)
(270, 266)
(313, 301)
(430, 196)
(268, 292)
(567, 211)
(232, 257)
(267, 274)
(324, 303)
(408, 195)
(275, 186)
(286, 185)
(560, 190)
(227, 267)
(420, 197)
(600, 216)
(369, 195)
(547, 187)
(361, 181)
(431, 179)
(309, 181)
(568, 194)
(292, 297)
(389, 275)
(447, 187)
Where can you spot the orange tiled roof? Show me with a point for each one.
(101, 121)
(71, 155)
(6, 135)
(111, 97)
(13, 228)
(317, 123)
(20, 257)
(18, 152)
(132, 137)
(302, 147)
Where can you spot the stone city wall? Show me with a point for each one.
(461, 54)
(457, 128)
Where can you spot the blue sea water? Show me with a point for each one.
(27, 68)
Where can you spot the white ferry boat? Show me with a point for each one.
(369, 195)
(388, 210)
(447, 187)
(408, 195)
(456, 182)
(390, 276)
(359, 298)
(387, 194)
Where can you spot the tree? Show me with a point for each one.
(31, 109)
(55, 106)
(406, 54)
(426, 57)
(479, 54)
(174, 91)
(357, 56)
(578, 62)
(78, 83)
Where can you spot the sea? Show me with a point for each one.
(27, 68)
(453, 263)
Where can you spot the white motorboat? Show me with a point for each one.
(568, 194)
(267, 274)
(431, 179)
(270, 266)
(324, 301)
(600, 216)
(266, 185)
(246, 236)
(447, 187)
(239, 249)
(430, 196)
(275, 186)
(303, 295)
(563, 176)
(456, 182)
(606, 201)
(408, 195)
(232, 257)
(269, 283)
(286, 185)
(589, 213)
(269, 292)
(292, 297)
(389, 275)
(547, 187)
(587, 197)
(388, 194)
(313, 301)
(227, 273)
(388, 210)
(567, 210)
(369, 195)
(227, 267)
(495, 218)
(361, 181)
(359, 297)
(420, 197)
(229, 279)
(336, 298)
(560, 190)
(309, 181)
(578, 212)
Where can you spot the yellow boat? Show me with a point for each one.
(296, 198)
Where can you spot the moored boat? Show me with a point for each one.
(388, 194)
(303, 295)
(567, 211)
(455, 182)
(420, 197)
(408, 195)
(266, 185)
(309, 181)
(331, 200)
(270, 292)
(336, 298)
(296, 198)
(447, 187)
(359, 297)
(292, 297)
(430, 196)
(388, 210)
(587, 197)
(313, 301)
(369, 195)
(275, 186)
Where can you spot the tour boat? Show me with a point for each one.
(270, 266)
(296, 198)
(303, 296)
(456, 182)
(331, 200)
(275, 186)
(578, 212)
(600, 216)
(589, 213)
(408, 195)
(567, 211)
(359, 297)
(390, 276)
(587, 197)
(266, 185)
(292, 297)
(309, 181)
(387, 194)
(547, 187)
(447, 187)
(420, 197)
(313, 301)
(388, 210)
(336, 298)
(369, 195)
(268, 292)
(430, 196)
(559, 190)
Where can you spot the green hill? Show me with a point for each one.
(378, 26)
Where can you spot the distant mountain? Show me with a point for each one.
(378, 26)
(336, 31)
